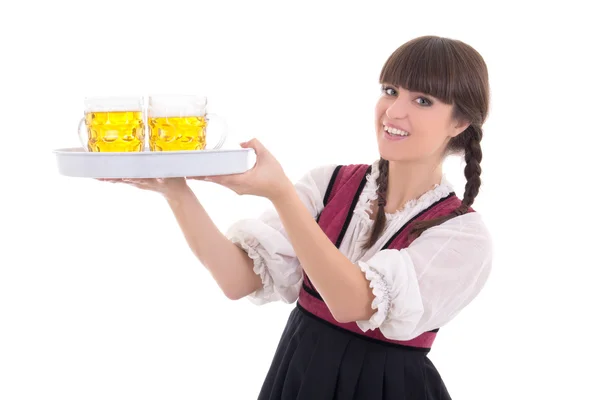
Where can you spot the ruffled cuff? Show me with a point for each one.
(398, 303)
(382, 301)
(273, 259)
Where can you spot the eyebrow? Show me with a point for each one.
(411, 91)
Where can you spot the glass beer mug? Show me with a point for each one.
(180, 122)
(112, 124)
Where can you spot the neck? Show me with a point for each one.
(409, 180)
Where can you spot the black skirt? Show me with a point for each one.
(316, 360)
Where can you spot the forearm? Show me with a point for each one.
(342, 285)
(229, 265)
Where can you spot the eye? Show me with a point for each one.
(388, 90)
(426, 102)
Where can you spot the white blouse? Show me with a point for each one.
(416, 289)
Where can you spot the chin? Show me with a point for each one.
(390, 153)
(398, 155)
(386, 154)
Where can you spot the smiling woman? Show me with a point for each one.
(378, 257)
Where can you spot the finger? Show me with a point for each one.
(220, 179)
(144, 184)
(141, 181)
(254, 144)
(123, 180)
(111, 180)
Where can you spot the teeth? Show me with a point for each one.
(394, 131)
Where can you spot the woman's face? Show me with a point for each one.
(412, 126)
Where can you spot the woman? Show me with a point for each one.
(378, 256)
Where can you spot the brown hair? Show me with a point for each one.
(455, 73)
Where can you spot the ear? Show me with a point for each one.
(459, 127)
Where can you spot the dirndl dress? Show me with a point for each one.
(319, 358)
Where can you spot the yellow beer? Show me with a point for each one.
(113, 124)
(180, 123)
(115, 131)
(177, 133)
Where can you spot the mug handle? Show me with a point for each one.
(223, 128)
(82, 135)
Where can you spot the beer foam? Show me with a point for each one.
(176, 106)
(176, 112)
(113, 104)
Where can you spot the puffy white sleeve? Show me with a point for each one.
(267, 243)
(425, 285)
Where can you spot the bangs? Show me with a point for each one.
(426, 65)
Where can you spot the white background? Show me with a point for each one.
(100, 298)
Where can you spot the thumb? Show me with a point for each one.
(254, 144)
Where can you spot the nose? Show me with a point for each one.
(397, 109)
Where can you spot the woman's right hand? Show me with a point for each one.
(165, 186)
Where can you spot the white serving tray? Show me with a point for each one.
(76, 162)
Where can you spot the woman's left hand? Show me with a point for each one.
(265, 179)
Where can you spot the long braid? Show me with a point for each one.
(382, 186)
(473, 157)
(470, 142)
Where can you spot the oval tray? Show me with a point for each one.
(76, 162)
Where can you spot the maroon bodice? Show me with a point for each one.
(343, 192)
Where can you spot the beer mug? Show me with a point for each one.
(180, 122)
(112, 124)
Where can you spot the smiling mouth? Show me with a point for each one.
(395, 131)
